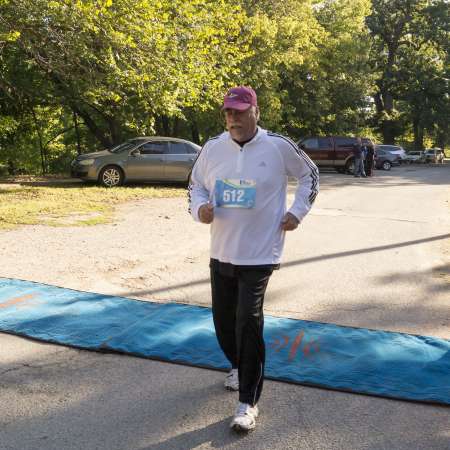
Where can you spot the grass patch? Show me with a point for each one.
(80, 205)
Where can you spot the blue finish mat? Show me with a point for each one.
(358, 360)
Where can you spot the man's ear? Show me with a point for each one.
(257, 113)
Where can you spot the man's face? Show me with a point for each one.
(242, 124)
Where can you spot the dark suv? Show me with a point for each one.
(332, 151)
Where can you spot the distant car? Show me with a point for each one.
(434, 155)
(385, 159)
(140, 159)
(394, 149)
(415, 156)
(332, 151)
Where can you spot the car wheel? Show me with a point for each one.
(386, 165)
(111, 176)
(350, 166)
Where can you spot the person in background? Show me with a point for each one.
(358, 153)
(239, 186)
(369, 159)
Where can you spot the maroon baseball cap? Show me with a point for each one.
(240, 98)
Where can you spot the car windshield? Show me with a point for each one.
(429, 152)
(123, 147)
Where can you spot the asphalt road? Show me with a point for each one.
(373, 253)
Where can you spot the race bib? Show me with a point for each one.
(230, 193)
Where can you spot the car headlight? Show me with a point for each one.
(87, 162)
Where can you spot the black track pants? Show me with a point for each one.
(237, 306)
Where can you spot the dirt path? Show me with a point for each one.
(151, 244)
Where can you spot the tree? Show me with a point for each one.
(407, 35)
(328, 91)
(283, 37)
(119, 64)
(422, 92)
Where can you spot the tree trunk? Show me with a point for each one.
(387, 125)
(92, 126)
(385, 99)
(388, 131)
(165, 125)
(176, 127)
(41, 145)
(378, 102)
(81, 112)
(418, 134)
(115, 131)
(77, 132)
(194, 132)
(388, 101)
(442, 140)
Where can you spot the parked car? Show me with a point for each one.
(394, 149)
(332, 151)
(415, 156)
(434, 155)
(384, 159)
(140, 159)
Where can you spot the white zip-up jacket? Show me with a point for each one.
(252, 236)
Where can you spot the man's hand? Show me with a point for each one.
(289, 222)
(206, 213)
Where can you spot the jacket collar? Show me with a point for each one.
(259, 134)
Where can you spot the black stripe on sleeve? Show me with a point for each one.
(314, 171)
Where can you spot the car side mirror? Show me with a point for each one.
(136, 152)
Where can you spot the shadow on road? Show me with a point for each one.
(217, 435)
(299, 262)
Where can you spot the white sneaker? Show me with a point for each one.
(232, 380)
(245, 417)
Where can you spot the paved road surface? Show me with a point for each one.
(373, 253)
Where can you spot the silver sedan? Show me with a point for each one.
(140, 159)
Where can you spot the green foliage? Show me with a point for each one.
(410, 57)
(328, 92)
(118, 64)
